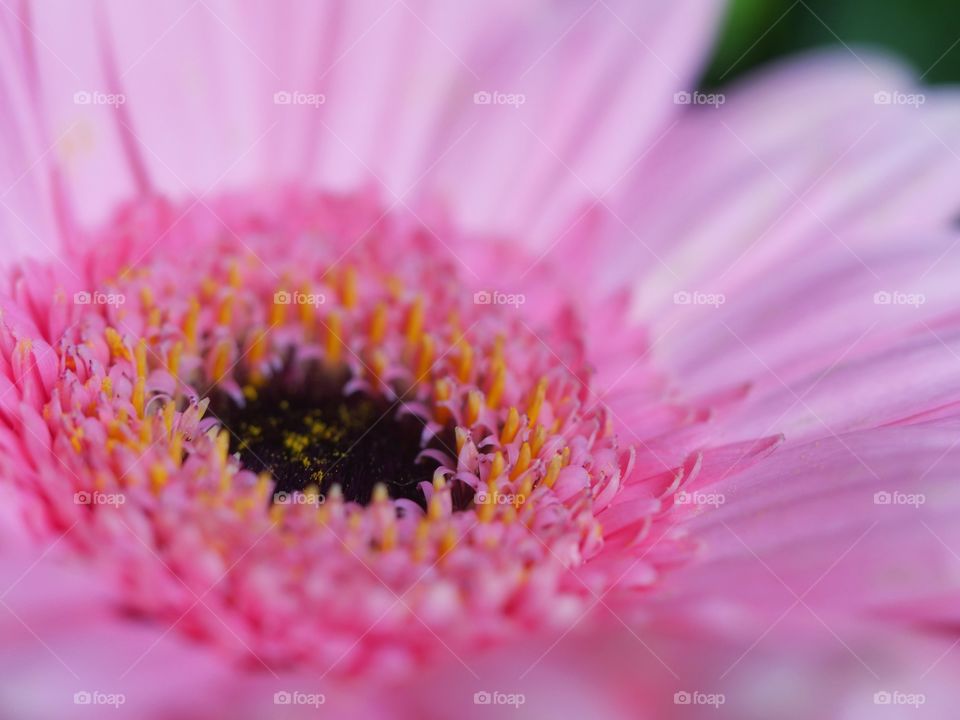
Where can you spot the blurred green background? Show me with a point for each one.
(926, 33)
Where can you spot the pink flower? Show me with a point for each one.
(409, 358)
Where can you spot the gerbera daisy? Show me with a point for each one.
(366, 344)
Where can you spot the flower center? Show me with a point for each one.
(318, 437)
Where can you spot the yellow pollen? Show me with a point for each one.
(389, 539)
(474, 403)
(222, 445)
(379, 362)
(380, 494)
(221, 360)
(146, 296)
(565, 456)
(176, 447)
(140, 353)
(334, 346)
(539, 437)
(497, 381)
(173, 358)
(158, 477)
(378, 322)
(168, 410)
(426, 357)
(154, 317)
(435, 507)
(114, 342)
(306, 310)
(523, 462)
(465, 361)
(234, 277)
(348, 288)
(139, 395)
(510, 427)
(496, 466)
(278, 312)
(225, 314)
(443, 390)
(190, 322)
(448, 541)
(553, 470)
(439, 481)
(536, 402)
(107, 387)
(414, 324)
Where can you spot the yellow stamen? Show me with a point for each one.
(334, 346)
(510, 427)
(539, 437)
(190, 322)
(497, 381)
(443, 390)
(474, 403)
(173, 358)
(536, 402)
(158, 477)
(426, 358)
(378, 323)
(553, 470)
(221, 360)
(414, 324)
(139, 396)
(496, 466)
(523, 462)
(465, 361)
(140, 353)
(115, 343)
(348, 288)
(225, 313)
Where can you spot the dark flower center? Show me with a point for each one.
(325, 438)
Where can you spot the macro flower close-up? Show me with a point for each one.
(408, 359)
